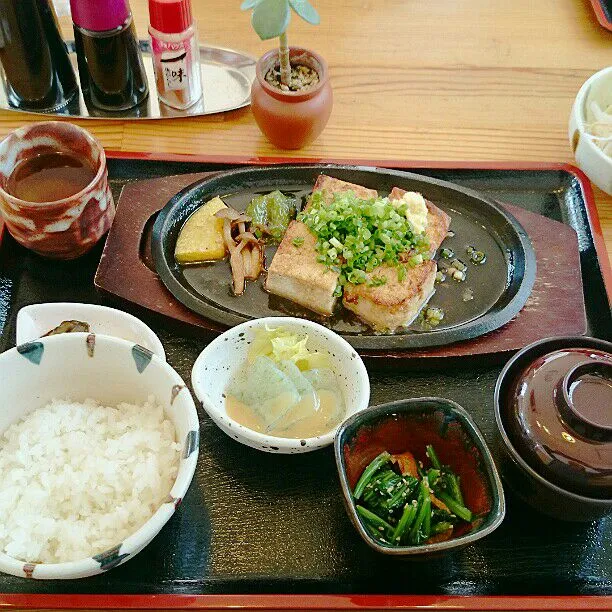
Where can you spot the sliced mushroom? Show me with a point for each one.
(228, 213)
(248, 263)
(242, 219)
(256, 260)
(247, 237)
(237, 265)
(227, 235)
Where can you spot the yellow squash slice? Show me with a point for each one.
(201, 238)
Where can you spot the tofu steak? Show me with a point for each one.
(296, 274)
(397, 303)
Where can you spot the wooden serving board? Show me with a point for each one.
(555, 307)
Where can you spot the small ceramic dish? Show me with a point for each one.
(553, 409)
(410, 425)
(110, 370)
(223, 357)
(589, 157)
(36, 320)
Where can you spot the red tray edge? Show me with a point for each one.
(341, 602)
(601, 15)
(307, 602)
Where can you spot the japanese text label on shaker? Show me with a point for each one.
(37, 73)
(110, 63)
(176, 53)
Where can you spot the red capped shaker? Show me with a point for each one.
(176, 53)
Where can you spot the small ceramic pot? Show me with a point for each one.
(291, 119)
(63, 229)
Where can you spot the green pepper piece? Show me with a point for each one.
(271, 213)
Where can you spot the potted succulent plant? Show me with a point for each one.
(291, 96)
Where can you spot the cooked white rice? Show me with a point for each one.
(77, 478)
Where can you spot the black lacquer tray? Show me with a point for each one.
(255, 529)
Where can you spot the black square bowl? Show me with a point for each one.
(409, 425)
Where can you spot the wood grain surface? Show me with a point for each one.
(413, 79)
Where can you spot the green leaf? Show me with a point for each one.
(306, 11)
(271, 18)
(249, 4)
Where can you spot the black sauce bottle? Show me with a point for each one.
(38, 74)
(110, 63)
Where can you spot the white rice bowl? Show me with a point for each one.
(98, 445)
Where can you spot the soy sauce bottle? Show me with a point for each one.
(110, 63)
(38, 74)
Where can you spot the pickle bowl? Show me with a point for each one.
(225, 356)
(37, 320)
(410, 425)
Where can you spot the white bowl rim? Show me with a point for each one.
(264, 439)
(140, 538)
(157, 346)
(578, 112)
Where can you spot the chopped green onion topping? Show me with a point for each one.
(298, 242)
(355, 236)
(433, 316)
(377, 281)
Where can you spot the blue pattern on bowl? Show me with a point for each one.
(142, 357)
(192, 442)
(32, 351)
(110, 558)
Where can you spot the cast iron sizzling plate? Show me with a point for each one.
(499, 288)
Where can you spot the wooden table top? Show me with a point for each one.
(476, 80)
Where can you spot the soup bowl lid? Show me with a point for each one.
(557, 410)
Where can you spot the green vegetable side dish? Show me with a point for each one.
(400, 503)
(271, 214)
(355, 236)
